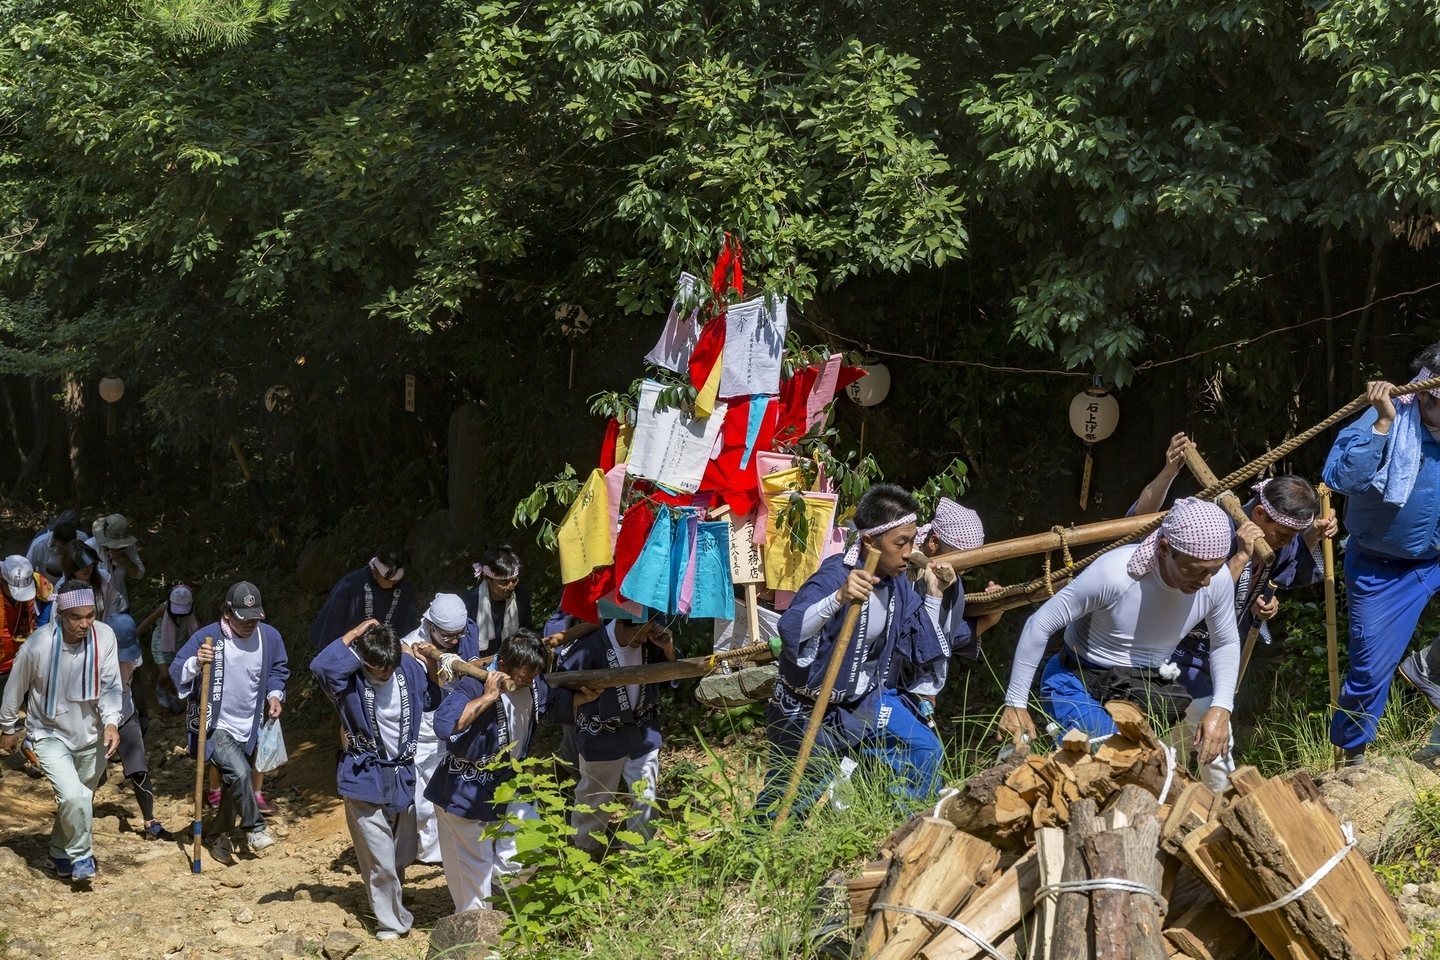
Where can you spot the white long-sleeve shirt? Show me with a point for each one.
(1113, 621)
(76, 724)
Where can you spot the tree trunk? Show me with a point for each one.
(30, 466)
(1357, 349)
(1328, 307)
(74, 406)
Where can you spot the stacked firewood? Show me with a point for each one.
(1115, 853)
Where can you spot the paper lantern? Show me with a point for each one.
(112, 389)
(871, 388)
(1094, 415)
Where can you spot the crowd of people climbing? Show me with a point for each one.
(433, 702)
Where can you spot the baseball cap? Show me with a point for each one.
(243, 600)
(182, 600)
(19, 577)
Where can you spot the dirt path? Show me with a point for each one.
(147, 905)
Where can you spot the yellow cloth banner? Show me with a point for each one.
(624, 439)
(584, 534)
(705, 398)
(785, 567)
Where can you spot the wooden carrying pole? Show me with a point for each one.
(1105, 530)
(465, 668)
(827, 685)
(653, 672)
(1332, 646)
(200, 758)
(1227, 502)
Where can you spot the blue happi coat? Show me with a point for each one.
(355, 598)
(274, 672)
(908, 645)
(474, 762)
(609, 727)
(365, 772)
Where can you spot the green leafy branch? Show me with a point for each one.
(562, 490)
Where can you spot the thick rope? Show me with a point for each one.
(1263, 462)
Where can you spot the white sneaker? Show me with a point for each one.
(258, 840)
(223, 851)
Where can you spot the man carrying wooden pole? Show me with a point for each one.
(859, 711)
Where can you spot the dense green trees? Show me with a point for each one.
(335, 194)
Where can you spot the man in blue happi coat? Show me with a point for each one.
(617, 729)
(376, 591)
(1387, 464)
(480, 724)
(249, 669)
(380, 691)
(898, 634)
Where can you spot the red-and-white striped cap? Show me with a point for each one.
(1193, 527)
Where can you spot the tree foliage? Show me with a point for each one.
(214, 197)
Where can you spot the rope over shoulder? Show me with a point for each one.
(1259, 464)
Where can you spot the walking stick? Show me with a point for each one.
(1332, 647)
(827, 685)
(200, 758)
(1253, 634)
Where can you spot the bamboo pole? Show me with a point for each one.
(1042, 542)
(827, 685)
(200, 759)
(1332, 645)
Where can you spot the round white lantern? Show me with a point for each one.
(1094, 415)
(112, 389)
(871, 388)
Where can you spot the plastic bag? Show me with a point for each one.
(270, 751)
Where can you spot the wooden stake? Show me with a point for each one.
(1332, 646)
(200, 757)
(1085, 477)
(817, 713)
(752, 612)
(1253, 634)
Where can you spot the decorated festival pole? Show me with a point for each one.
(1332, 647)
(827, 685)
(200, 757)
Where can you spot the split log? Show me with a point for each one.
(943, 888)
(1050, 850)
(863, 888)
(1267, 843)
(1204, 931)
(1190, 811)
(913, 857)
(992, 913)
(1072, 910)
